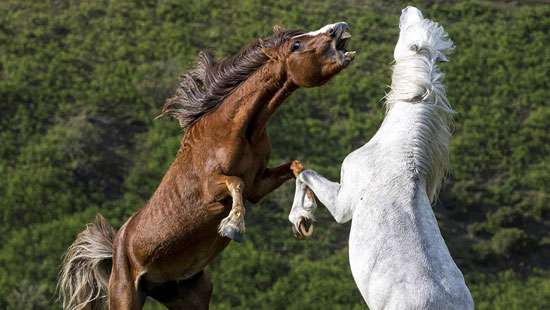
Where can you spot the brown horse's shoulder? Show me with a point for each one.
(261, 144)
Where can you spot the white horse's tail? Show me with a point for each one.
(86, 267)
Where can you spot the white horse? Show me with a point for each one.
(398, 257)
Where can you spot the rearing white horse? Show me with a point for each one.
(398, 257)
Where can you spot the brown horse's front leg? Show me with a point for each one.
(269, 181)
(233, 225)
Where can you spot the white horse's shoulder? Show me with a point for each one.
(356, 172)
(360, 160)
(359, 155)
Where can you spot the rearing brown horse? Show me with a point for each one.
(224, 106)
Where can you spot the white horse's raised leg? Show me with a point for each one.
(301, 214)
(329, 193)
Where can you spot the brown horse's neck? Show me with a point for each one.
(248, 109)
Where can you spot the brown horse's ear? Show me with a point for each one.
(269, 52)
(278, 28)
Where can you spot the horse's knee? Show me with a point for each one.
(193, 293)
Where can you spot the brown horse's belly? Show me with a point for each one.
(189, 254)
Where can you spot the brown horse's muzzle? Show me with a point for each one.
(340, 34)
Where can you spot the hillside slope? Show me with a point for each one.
(82, 81)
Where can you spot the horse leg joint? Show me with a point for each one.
(233, 225)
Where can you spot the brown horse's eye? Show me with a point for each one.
(295, 46)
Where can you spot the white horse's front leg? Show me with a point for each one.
(301, 214)
(329, 193)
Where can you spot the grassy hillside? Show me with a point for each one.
(82, 81)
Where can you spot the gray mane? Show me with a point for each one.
(204, 88)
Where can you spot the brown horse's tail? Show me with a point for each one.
(86, 267)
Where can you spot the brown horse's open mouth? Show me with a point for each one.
(341, 37)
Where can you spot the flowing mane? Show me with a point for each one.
(204, 88)
(417, 79)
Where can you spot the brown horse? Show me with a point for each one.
(224, 107)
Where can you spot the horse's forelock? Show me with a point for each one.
(279, 37)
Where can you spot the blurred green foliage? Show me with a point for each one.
(81, 83)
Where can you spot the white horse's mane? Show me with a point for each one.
(416, 79)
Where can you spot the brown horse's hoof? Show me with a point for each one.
(232, 234)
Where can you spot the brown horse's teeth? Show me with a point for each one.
(345, 35)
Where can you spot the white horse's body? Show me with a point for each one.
(398, 257)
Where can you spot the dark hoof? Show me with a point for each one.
(232, 234)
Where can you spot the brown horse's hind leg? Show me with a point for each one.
(233, 225)
(193, 293)
(123, 294)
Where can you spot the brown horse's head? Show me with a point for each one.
(311, 59)
(304, 59)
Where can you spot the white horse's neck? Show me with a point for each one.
(417, 123)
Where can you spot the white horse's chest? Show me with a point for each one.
(395, 246)
(394, 238)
